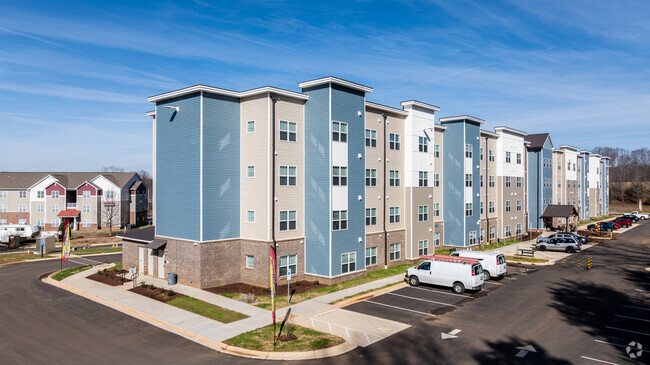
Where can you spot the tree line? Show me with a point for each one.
(629, 173)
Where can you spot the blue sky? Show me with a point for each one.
(74, 75)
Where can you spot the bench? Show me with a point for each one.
(526, 252)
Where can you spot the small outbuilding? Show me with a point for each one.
(560, 217)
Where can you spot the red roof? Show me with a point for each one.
(69, 213)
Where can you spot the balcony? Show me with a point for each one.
(71, 206)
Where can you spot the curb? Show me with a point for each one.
(215, 345)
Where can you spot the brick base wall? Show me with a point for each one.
(13, 217)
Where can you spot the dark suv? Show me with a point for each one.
(603, 226)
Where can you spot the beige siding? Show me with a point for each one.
(374, 160)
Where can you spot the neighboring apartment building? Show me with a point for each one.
(540, 177)
(90, 199)
(341, 184)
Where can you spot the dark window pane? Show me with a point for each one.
(292, 137)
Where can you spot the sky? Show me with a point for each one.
(75, 75)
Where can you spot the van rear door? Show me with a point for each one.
(501, 265)
(477, 276)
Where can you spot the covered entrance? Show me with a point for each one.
(151, 258)
(561, 218)
(70, 214)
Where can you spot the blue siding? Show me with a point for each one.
(534, 186)
(454, 184)
(177, 168)
(317, 184)
(346, 104)
(472, 132)
(221, 167)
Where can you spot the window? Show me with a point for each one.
(348, 262)
(371, 216)
(507, 206)
(518, 229)
(481, 180)
(40, 194)
(423, 247)
(508, 181)
(250, 126)
(22, 221)
(559, 167)
(482, 235)
(86, 223)
(40, 222)
(472, 237)
(574, 167)
(491, 233)
(436, 180)
(394, 141)
(86, 209)
(491, 155)
(288, 175)
(423, 178)
(55, 208)
(339, 220)
(40, 208)
(371, 138)
(55, 222)
(508, 158)
(468, 180)
(491, 181)
(469, 149)
(394, 178)
(568, 166)
(22, 208)
(250, 216)
(85, 194)
(436, 209)
(371, 256)
(395, 252)
(559, 184)
(518, 182)
(3, 208)
(371, 177)
(250, 171)
(3, 194)
(518, 205)
(110, 195)
(22, 194)
(507, 231)
(436, 150)
(436, 239)
(339, 175)
(468, 210)
(490, 207)
(519, 159)
(3, 221)
(422, 144)
(287, 131)
(423, 213)
(287, 220)
(481, 155)
(481, 207)
(55, 194)
(339, 132)
(288, 263)
(394, 215)
(250, 262)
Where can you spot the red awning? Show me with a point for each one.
(69, 213)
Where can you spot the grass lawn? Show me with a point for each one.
(69, 272)
(9, 258)
(524, 259)
(208, 310)
(307, 339)
(96, 250)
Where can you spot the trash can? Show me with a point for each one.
(171, 278)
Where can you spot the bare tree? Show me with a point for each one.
(112, 168)
(111, 214)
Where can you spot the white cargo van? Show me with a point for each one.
(459, 273)
(494, 263)
(22, 230)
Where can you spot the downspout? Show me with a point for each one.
(384, 192)
(274, 100)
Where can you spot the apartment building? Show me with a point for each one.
(340, 184)
(90, 199)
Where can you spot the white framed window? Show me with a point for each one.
(394, 215)
(423, 178)
(86, 209)
(339, 220)
(86, 223)
(508, 181)
(423, 247)
(339, 132)
(508, 157)
(423, 213)
(481, 208)
(288, 220)
(371, 256)
(472, 237)
(40, 222)
(22, 221)
(371, 177)
(436, 150)
(250, 261)
(490, 207)
(481, 154)
(507, 206)
(423, 146)
(40, 208)
(348, 262)
(436, 209)
(436, 180)
(395, 251)
(339, 175)
(22, 208)
(3, 220)
(519, 182)
(519, 159)
(436, 239)
(482, 235)
(468, 210)
(250, 171)
(110, 195)
(40, 194)
(492, 233)
(506, 230)
(288, 175)
(394, 141)
(250, 216)
(394, 178)
(491, 181)
(371, 138)
(491, 155)
(55, 222)
(85, 194)
(55, 194)
(518, 203)
(22, 194)
(468, 180)
(469, 151)
(3, 194)
(250, 126)
(3, 208)
(288, 263)
(371, 216)
(480, 180)
(518, 229)
(55, 208)
(288, 131)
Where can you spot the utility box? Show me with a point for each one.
(45, 245)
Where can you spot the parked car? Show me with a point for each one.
(616, 225)
(493, 263)
(455, 272)
(566, 244)
(640, 215)
(581, 239)
(632, 218)
(602, 226)
(623, 222)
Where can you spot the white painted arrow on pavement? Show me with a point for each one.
(524, 350)
(451, 334)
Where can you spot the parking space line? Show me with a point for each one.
(621, 329)
(400, 308)
(616, 344)
(424, 300)
(630, 306)
(488, 282)
(441, 292)
(601, 361)
(636, 319)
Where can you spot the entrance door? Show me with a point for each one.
(150, 262)
(161, 263)
(141, 254)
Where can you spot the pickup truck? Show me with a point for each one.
(640, 215)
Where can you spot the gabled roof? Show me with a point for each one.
(69, 213)
(559, 211)
(69, 180)
(537, 140)
(136, 185)
(20, 180)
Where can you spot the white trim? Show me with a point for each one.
(471, 195)
(489, 134)
(510, 130)
(154, 178)
(334, 80)
(201, 170)
(386, 108)
(269, 168)
(460, 118)
(219, 91)
(420, 104)
(151, 113)
(329, 213)
(132, 239)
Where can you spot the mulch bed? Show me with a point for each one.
(158, 294)
(112, 277)
(299, 287)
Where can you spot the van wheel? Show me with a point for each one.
(458, 288)
(486, 275)
(414, 281)
(570, 250)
